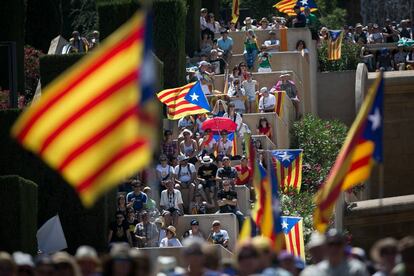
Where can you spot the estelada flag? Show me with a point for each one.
(88, 123)
(361, 150)
(334, 44)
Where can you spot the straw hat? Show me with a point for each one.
(247, 19)
(172, 230)
(264, 19)
(184, 132)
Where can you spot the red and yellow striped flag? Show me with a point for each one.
(334, 45)
(361, 149)
(235, 12)
(286, 6)
(280, 101)
(87, 125)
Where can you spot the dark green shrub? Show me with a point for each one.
(321, 141)
(55, 196)
(52, 66)
(12, 17)
(112, 14)
(169, 39)
(350, 57)
(18, 212)
(192, 35)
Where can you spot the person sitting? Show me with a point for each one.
(79, 43)
(201, 204)
(264, 128)
(218, 235)
(207, 174)
(121, 207)
(170, 240)
(151, 205)
(399, 58)
(250, 48)
(227, 172)
(217, 62)
(163, 171)
(235, 74)
(227, 201)
(264, 63)
(251, 88)
(271, 45)
(267, 101)
(301, 48)
(376, 36)
(136, 199)
(264, 24)
(237, 94)
(169, 147)
(171, 204)
(384, 61)
(244, 173)
(185, 176)
(248, 24)
(194, 231)
(131, 221)
(186, 122)
(188, 146)
(207, 144)
(225, 43)
(201, 118)
(220, 108)
(289, 86)
(146, 232)
(224, 146)
(118, 230)
(300, 19)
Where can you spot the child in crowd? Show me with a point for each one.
(264, 128)
(251, 88)
(264, 63)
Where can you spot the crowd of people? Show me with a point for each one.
(330, 254)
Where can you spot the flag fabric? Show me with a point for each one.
(235, 12)
(277, 231)
(280, 101)
(288, 164)
(186, 100)
(50, 237)
(249, 230)
(286, 6)
(293, 230)
(361, 149)
(283, 40)
(87, 125)
(334, 44)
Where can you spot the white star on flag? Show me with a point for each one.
(285, 225)
(304, 2)
(285, 156)
(194, 97)
(375, 119)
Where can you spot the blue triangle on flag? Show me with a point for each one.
(286, 157)
(196, 96)
(288, 223)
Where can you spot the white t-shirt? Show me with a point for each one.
(266, 103)
(184, 175)
(164, 171)
(210, 146)
(171, 200)
(219, 237)
(223, 147)
(174, 242)
(268, 43)
(250, 88)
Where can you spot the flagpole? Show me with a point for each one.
(381, 184)
(339, 212)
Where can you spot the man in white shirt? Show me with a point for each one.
(171, 204)
(272, 44)
(248, 24)
(267, 102)
(218, 235)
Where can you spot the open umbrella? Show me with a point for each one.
(218, 124)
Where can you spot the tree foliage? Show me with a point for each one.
(350, 57)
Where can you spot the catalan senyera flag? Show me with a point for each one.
(293, 230)
(334, 44)
(280, 101)
(286, 6)
(87, 125)
(235, 12)
(186, 100)
(288, 164)
(361, 149)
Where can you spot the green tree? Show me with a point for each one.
(350, 57)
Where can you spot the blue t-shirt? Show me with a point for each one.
(225, 44)
(139, 202)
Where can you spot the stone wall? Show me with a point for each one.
(336, 96)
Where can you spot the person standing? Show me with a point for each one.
(170, 240)
(146, 232)
(171, 204)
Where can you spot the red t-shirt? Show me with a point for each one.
(244, 175)
(265, 131)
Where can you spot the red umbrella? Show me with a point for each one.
(218, 124)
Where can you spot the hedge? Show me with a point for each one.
(52, 66)
(12, 16)
(81, 226)
(18, 212)
(192, 35)
(169, 39)
(112, 14)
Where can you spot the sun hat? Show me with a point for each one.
(206, 160)
(247, 19)
(172, 230)
(264, 90)
(285, 75)
(184, 132)
(216, 222)
(203, 63)
(264, 19)
(382, 245)
(358, 25)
